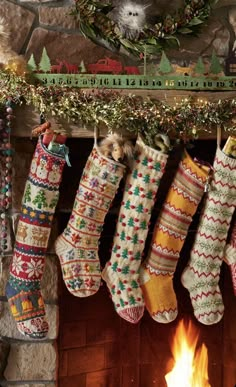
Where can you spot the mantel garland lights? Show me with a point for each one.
(96, 24)
(184, 120)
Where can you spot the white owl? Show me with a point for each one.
(131, 19)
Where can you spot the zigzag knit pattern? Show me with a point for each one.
(201, 276)
(121, 273)
(77, 246)
(157, 271)
(38, 205)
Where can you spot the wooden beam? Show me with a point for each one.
(26, 117)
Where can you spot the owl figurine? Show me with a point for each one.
(130, 18)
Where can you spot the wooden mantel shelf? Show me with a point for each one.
(26, 118)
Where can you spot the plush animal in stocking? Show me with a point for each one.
(121, 272)
(201, 276)
(77, 246)
(38, 205)
(156, 275)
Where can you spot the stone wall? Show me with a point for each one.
(35, 24)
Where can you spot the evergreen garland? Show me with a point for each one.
(185, 120)
(95, 23)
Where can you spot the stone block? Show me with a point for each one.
(57, 17)
(73, 47)
(38, 1)
(49, 283)
(8, 326)
(33, 385)
(30, 361)
(19, 20)
(4, 351)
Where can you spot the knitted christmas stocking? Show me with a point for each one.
(121, 272)
(201, 276)
(38, 206)
(230, 255)
(156, 275)
(77, 246)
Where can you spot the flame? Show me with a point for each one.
(191, 365)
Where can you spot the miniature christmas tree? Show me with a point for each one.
(125, 253)
(135, 174)
(149, 195)
(200, 67)
(146, 178)
(122, 235)
(143, 225)
(215, 67)
(32, 64)
(53, 202)
(82, 68)
(121, 285)
(131, 222)
(40, 199)
(27, 195)
(132, 300)
(137, 256)
(136, 191)
(114, 266)
(134, 284)
(135, 239)
(122, 303)
(157, 166)
(44, 64)
(125, 269)
(145, 161)
(127, 205)
(164, 65)
(139, 208)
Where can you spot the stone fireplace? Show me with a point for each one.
(88, 344)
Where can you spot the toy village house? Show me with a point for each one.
(117, 197)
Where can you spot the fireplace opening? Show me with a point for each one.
(190, 367)
(97, 347)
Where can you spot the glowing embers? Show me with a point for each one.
(190, 361)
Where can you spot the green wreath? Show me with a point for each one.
(95, 23)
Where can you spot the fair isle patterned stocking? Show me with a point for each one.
(230, 255)
(77, 246)
(156, 275)
(121, 272)
(201, 276)
(38, 206)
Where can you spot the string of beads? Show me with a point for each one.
(6, 153)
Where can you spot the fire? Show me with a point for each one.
(191, 364)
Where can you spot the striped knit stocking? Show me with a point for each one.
(201, 276)
(77, 246)
(121, 273)
(38, 206)
(230, 255)
(157, 272)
